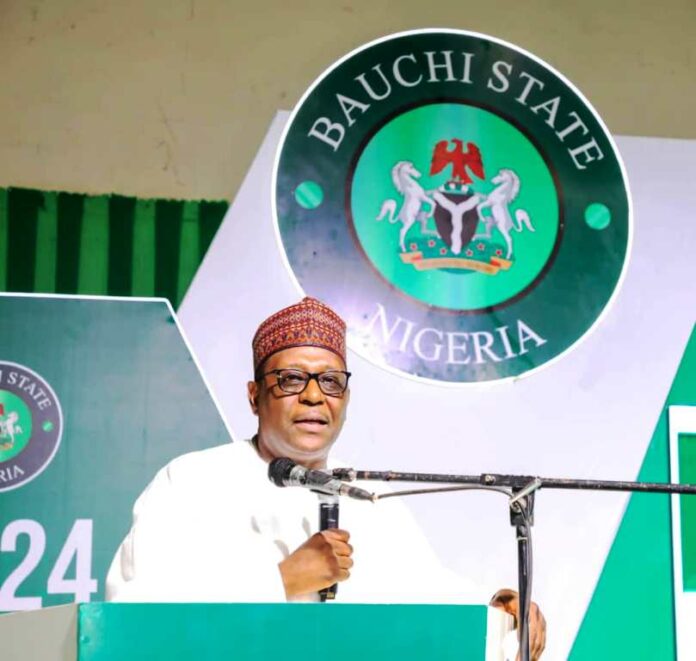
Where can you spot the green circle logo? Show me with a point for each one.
(470, 228)
(457, 201)
(15, 425)
(31, 424)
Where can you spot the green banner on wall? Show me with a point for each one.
(96, 396)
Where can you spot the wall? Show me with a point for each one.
(172, 99)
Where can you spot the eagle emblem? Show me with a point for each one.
(458, 159)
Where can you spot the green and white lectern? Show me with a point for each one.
(292, 632)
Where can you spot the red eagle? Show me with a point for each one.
(459, 159)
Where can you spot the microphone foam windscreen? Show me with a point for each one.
(279, 470)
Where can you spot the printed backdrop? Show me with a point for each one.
(596, 413)
(131, 400)
(129, 391)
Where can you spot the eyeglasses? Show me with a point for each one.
(331, 382)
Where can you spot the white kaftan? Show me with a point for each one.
(212, 527)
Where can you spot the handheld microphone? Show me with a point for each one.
(328, 520)
(284, 472)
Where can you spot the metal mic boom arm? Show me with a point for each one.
(512, 481)
(520, 490)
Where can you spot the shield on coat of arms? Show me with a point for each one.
(445, 219)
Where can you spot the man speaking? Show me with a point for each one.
(212, 527)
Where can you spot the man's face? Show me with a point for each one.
(303, 426)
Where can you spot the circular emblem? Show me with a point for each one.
(31, 425)
(457, 201)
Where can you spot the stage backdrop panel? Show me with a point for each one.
(638, 570)
(131, 398)
(591, 414)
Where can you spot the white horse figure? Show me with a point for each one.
(404, 176)
(497, 201)
(9, 428)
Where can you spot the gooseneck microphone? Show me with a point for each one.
(284, 472)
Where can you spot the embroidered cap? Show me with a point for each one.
(309, 323)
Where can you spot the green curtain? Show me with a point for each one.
(68, 243)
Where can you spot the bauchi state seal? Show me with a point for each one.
(457, 201)
(31, 425)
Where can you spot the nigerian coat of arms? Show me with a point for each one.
(456, 220)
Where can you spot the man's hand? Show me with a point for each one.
(324, 559)
(508, 601)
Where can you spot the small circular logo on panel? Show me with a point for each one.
(31, 425)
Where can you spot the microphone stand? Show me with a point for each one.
(521, 490)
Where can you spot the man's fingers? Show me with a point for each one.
(338, 539)
(336, 534)
(324, 559)
(537, 632)
(508, 601)
(341, 548)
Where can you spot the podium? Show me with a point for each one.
(211, 632)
